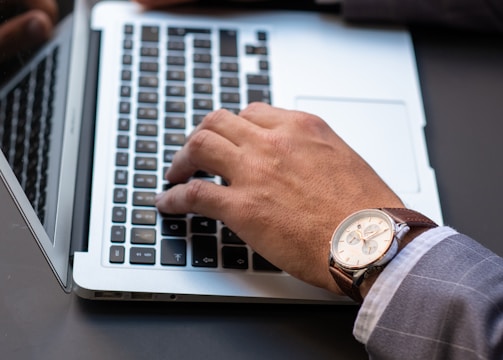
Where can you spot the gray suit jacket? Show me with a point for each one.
(472, 14)
(449, 306)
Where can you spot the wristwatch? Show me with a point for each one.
(366, 241)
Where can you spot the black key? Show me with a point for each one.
(124, 107)
(147, 113)
(118, 233)
(175, 90)
(229, 237)
(261, 264)
(174, 139)
(148, 66)
(169, 155)
(145, 163)
(229, 66)
(174, 252)
(127, 44)
(174, 227)
(126, 75)
(204, 251)
(175, 106)
(125, 91)
(175, 75)
(143, 236)
(197, 119)
(121, 177)
(263, 65)
(149, 81)
(144, 198)
(203, 225)
(202, 43)
(146, 146)
(256, 50)
(148, 97)
(128, 29)
(203, 104)
(175, 60)
(259, 95)
(177, 45)
(203, 73)
(120, 195)
(235, 257)
(202, 58)
(203, 88)
(150, 33)
(146, 129)
(124, 124)
(127, 59)
(177, 31)
(228, 43)
(122, 159)
(140, 255)
(227, 81)
(230, 97)
(148, 51)
(261, 36)
(117, 254)
(123, 141)
(119, 214)
(145, 181)
(144, 217)
(174, 122)
(257, 79)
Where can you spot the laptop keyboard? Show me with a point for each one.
(167, 87)
(25, 127)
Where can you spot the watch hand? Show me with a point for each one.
(374, 234)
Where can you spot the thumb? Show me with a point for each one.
(24, 32)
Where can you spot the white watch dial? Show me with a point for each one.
(362, 239)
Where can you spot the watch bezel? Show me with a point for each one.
(385, 256)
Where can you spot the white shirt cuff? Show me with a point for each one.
(384, 288)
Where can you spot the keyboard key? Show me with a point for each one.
(169, 155)
(202, 58)
(235, 257)
(259, 95)
(176, 139)
(255, 50)
(145, 181)
(252, 79)
(122, 141)
(126, 75)
(203, 88)
(174, 227)
(147, 113)
(148, 81)
(144, 217)
(125, 91)
(175, 90)
(144, 198)
(204, 251)
(229, 81)
(230, 97)
(117, 254)
(145, 163)
(175, 60)
(176, 45)
(121, 159)
(148, 51)
(124, 107)
(144, 236)
(146, 129)
(261, 264)
(174, 122)
(148, 97)
(149, 66)
(203, 225)
(150, 33)
(140, 255)
(146, 146)
(120, 196)
(228, 43)
(118, 233)
(128, 29)
(175, 75)
(174, 252)
(121, 177)
(124, 124)
(204, 73)
(229, 237)
(203, 104)
(119, 214)
(229, 66)
(175, 106)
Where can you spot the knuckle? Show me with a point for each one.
(213, 118)
(194, 191)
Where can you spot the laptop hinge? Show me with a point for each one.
(80, 223)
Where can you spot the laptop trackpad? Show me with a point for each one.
(378, 131)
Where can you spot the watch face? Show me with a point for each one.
(362, 239)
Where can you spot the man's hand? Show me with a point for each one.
(291, 181)
(30, 26)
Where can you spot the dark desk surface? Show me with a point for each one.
(462, 81)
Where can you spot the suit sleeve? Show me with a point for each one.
(482, 15)
(448, 306)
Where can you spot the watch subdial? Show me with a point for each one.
(353, 238)
(371, 230)
(369, 247)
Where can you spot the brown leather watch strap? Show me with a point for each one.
(345, 282)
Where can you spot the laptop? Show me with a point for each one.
(89, 126)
